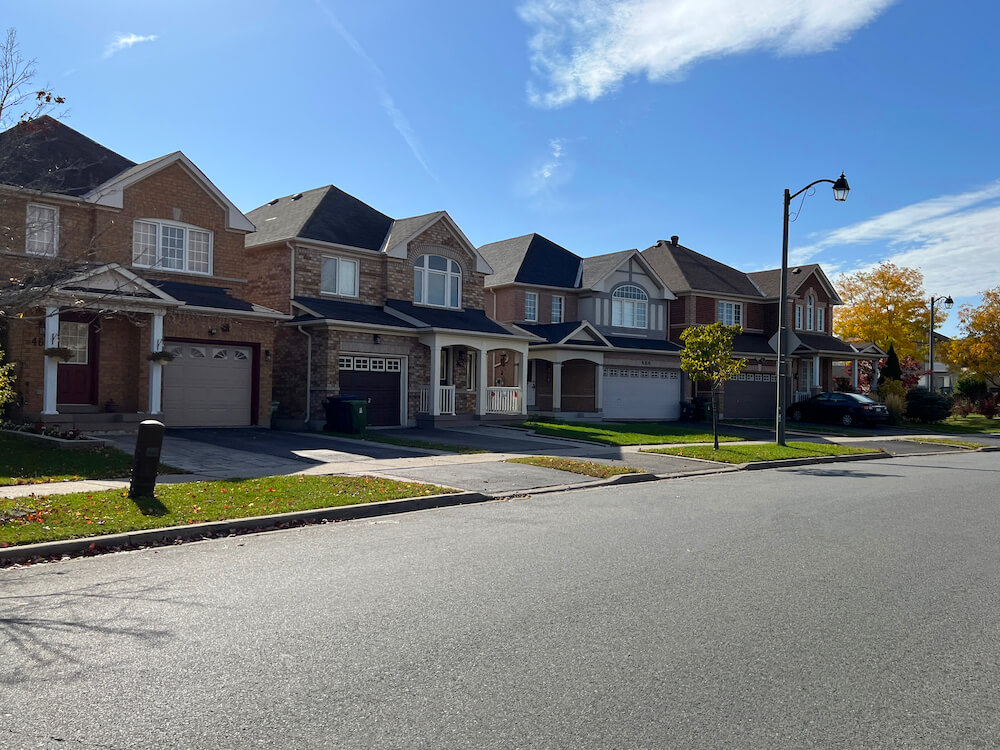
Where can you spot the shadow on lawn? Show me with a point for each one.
(150, 506)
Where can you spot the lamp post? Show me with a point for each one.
(840, 191)
(948, 302)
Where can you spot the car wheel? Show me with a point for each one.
(847, 420)
(797, 415)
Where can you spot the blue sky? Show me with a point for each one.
(603, 125)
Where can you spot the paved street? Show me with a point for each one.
(850, 605)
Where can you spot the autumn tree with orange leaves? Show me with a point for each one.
(979, 348)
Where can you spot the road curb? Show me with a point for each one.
(791, 462)
(189, 532)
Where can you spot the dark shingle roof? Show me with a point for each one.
(199, 295)
(626, 342)
(597, 267)
(552, 332)
(531, 259)
(458, 320)
(44, 154)
(684, 270)
(823, 343)
(770, 281)
(351, 312)
(752, 343)
(326, 214)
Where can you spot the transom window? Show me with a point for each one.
(42, 229)
(531, 306)
(437, 281)
(339, 276)
(557, 309)
(730, 313)
(629, 305)
(171, 246)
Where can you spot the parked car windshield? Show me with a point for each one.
(861, 399)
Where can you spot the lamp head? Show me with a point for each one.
(841, 188)
(948, 303)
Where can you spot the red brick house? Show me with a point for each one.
(709, 291)
(390, 310)
(601, 324)
(132, 281)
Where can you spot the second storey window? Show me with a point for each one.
(42, 229)
(730, 313)
(437, 281)
(531, 306)
(171, 247)
(810, 308)
(339, 276)
(798, 317)
(820, 319)
(557, 309)
(628, 307)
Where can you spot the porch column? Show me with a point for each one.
(523, 381)
(557, 386)
(435, 381)
(482, 371)
(815, 372)
(874, 388)
(50, 376)
(854, 374)
(155, 366)
(599, 388)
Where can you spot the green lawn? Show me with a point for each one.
(375, 437)
(974, 424)
(946, 441)
(622, 433)
(589, 468)
(25, 520)
(741, 454)
(26, 461)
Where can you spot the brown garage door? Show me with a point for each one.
(376, 379)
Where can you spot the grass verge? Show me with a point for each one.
(946, 441)
(375, 437)
(25, 520)
(974, 424)
(741, 454)
(622, 433)
(25, 461)
(589, 468)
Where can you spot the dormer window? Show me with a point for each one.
(42, 230)
(629, 304)
(437, 281)
(170, 246)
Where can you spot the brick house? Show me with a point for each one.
(118, 261)
(708, 291)
(601, 323)
(387, 309)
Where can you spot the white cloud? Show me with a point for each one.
(582, 49)
(396, 117)
(552, 170)
(951, 239)
(126, 41)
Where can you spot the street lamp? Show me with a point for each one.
(840, 191)
(948, 302)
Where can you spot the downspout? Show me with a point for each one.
(291, 288)
(309, 357)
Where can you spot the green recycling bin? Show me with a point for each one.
(356, 416)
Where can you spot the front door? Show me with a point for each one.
(77, 379)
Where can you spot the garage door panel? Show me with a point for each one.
(641, 393)
(377, 379)
(208, 386)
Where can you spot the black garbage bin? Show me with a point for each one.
(338, 418)
(355, 415)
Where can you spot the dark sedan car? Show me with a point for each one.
(840, 408)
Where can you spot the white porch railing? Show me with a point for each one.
(800, 396)
(447, 399)
(503, 400)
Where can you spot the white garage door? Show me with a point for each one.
(641, 393)
(207, 385)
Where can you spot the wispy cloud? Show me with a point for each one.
(396, 116)
(550, 172)
(583, 49)
(126, 41)
(951, 239)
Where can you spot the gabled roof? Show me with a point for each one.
(351, 312)
(532, 259)
(578, 332)
(597, 268)
(456, 320)
(684, 270)
(404, 230)
(325, 214)
(46, 155)
(821, 342)
(770, 281)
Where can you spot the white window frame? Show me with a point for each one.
(629, 311)
(35, 226)
(558, 308)
(729, 313)
(186, 264)
(75, 336)
(821, 319)
(798, 317)
(810, 312)
(422, 273)
(531, 306)
(338, 264)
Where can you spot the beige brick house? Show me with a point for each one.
(390, 310)
(127, 288)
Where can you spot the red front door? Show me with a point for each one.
(77, 383)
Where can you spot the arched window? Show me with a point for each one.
(810, 312)
(437, 281)
(628, 307)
